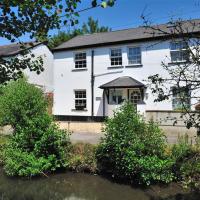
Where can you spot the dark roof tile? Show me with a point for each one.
(133, 34)
(123, 82)
(15, 48)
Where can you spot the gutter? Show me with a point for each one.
(92, 83)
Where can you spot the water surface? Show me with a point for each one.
(71, 186)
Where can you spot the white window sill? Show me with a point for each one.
(134, 65)
(74, 110)
(116, 67)
(178, 62)
(79, 69)
(113, 104)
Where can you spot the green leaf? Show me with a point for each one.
(104, 4)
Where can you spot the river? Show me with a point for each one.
(74, 186)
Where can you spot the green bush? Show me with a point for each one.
(190, 171)
(42, 137)
(133, 149)
(41, 144)
(19, 102)
(83, 158)
(186, 163)
(37, 146)
(182, 149)
(20, 163)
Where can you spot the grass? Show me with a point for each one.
(83, 158)
(3, 140)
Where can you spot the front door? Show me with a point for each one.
(134, 96)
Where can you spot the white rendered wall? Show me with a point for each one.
(45, 78)
(66, 80)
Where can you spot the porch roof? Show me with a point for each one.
(123, 82)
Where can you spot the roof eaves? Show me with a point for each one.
(137, 85)
(113, 87)
(107, 43)
(64, 46)
(19, 51)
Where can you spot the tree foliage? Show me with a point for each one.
(35, 19)
(182, 78)
(61, 37)
(133, 149)
(92, 26)
(37, 145)
(18, 104)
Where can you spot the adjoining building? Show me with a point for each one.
(94, 74)
(45, 79)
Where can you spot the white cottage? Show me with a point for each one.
(45, 79)
(94, 74)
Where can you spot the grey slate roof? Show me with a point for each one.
(127, 35)
(14, 49)
(123, 82)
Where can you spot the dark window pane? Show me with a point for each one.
(179, 51)
(80, 100)
(116, 57)
(134, 55)
(80, 60)
(181, 98)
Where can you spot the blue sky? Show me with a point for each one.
(126, 13)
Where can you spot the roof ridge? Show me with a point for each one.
(18, 43)
(124, 35)
(99, 33)
(15, 48)
(125, 82)
(136, 27)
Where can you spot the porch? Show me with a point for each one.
(123, 89)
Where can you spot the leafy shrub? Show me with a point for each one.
(190, 171)
(38, 145)
(133, 149)
(186, 163)
(19, 163)
(83, 158)
(182, 149)
(42, 137)
(19, 102)
(38, 148)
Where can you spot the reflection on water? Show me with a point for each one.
(69, 186)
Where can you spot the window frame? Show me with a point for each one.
(116, 48)
(178, 99)
(82, 108)
(128, 52)
(180, 51)
(140, 95)
(117, 99)
(79, 52)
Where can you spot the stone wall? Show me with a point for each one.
(91, 127)
(164, 118)
(166, 121)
